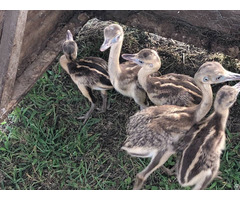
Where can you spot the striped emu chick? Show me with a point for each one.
(169, 89)
(123, 76)
(204, 142)
(88, 74)
(155, 131)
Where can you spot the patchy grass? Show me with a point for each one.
(44, 146)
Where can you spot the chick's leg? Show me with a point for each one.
(87, 92)
(157, 161)
(104, 99)
(167, 171)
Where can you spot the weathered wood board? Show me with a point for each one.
(10, 47)
(44, 33)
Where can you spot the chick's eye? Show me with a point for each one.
(115, 39)
(205, 79)
(140, 61)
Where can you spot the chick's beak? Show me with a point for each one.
(230, 76)
(69, 35)
(106, 44)
(130, 57)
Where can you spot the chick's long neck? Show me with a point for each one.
(207, 98)
(143, 76)
(114, 68)
(223, 113)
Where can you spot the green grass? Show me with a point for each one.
(44, 146)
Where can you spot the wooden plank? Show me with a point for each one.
(38, 67)
(10, 47)
(1, 22)
(40, 25)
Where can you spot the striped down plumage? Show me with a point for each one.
(88, 74)
(156, 131)
(200, 158)
(173, 89)
(202, 145)
(168, 89)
